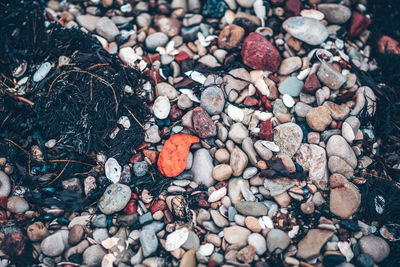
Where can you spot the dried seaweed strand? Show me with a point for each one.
(93, 75)
(58, 176)
(130, 112)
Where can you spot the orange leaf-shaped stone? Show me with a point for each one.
(172, 159)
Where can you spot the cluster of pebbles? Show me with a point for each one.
(273, 178)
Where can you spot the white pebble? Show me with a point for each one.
(288, 100)
(113, 170)
(42, 72)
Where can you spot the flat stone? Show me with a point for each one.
(289, 65)
(288, 137)
(238, 161)
(106, 28)
(93, 255)
(308, 30)
(212, 100)
(310, 246)
(236, 235)
(278, 186)
(115, 198)
(55, 244)
(335, 13)
(238, 132)
(291, 86)
(374, 246)
(345, 199)
(230, 36)
(202, 167)
(88, 21)
(203, 124)
(218, 219)
(250, 208)
(165, 89)
(338, 146)
(338, 165)
(259, 242)
(319, 118)
(330, 77)
(277, 241)
(156, 39)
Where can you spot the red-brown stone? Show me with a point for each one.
(136, 158)
(258, 53)
(250, 101)
(182, 56)
(358, 24)
(175, 113)
(202, 123)
(150, 154)
(293, 8)
(158, 205)
(388, 45)
(312, 84)
(266, 131)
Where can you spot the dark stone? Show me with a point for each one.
(215, 8)
(332, 260)
(202, 123)
(364, 260)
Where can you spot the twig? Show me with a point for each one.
(29, 155)
(25, 100)
(91, 74)
(130, 112)
(71, 160)
(58, 176)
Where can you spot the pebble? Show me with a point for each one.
(140, 168)
(37, 231)
(345, 198)
(319, 118)
(115, 198)
(203, 124)
(277, 241)
(222, 155)
(309, 247)
(238, 132)
(236, 235)
(374, 246)
(169, 26)
(308, 30)
(165, 89)
(313, 159)
(5, 185)
(258, 242)
(192, 242)
(88, 21)
(338, 112)
(184, 102)
(238, 161)
(289, 65)
(202, 167)
(218, 219)
(55, 244)
(42, 72)
(251, 208)
(100, 234)
(249, 172)
(188, 259)
(17, 205)
(222, 172)
(338, 165)
(176, 239)
(149, 242)
(330, 77)
(335, 13)
(252, 224)
(156, 40)
(246, 254)
(230, 36)
(288, 137)
(161, 107)
(212, 100)
(262, 150)
(338, 146)
(152, 135)
(291, 86)
(93, 255)
(106, 28)
(75, 234)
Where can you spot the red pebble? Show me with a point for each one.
(358, 24)
(176, 113)
(260, 54)
(266, 131)
(3, 202)
(312, 84)
(339, 126)
(212, 263)
(167, 217)
(250, 101)
(182, 56)
(201, 200)
(158, 205)
(136, 158)
(388, 45)
(151, 154)
(293, 8)
(268, 106)
(142, 146)
(155, 57)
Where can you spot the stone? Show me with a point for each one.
(188, 259)
(192, 242)
(278, 186)
(249, 172)
(17, 205)
(250, 208)
(248, 148)
(252, 224)
(214, 8)
(169, 25)
(330, 77)
(212, 100)
(75, 234)
(288, 137)
(358, 24)
(100, 234)
(165, 89)
(238, 161)
(156, 40)
(277, 241)
(236, 235)
(5, 185)
(311, 84)
(266, 131)
(113, 170)
(301, 109)
(172, 159)
(161, 107)
(152, 135)
(218, 219)
(238, 132)
(106, 28)
(338, 146)
(203, 125)
(222, 155)
(335, 13)
(258, 242)
(338, 165)
(88, 21)
(338, 112)
(345, 199)
(55, 244)
(310, 246)
(308, 30)
(313, 159)
(176, 239)
(149, 242)
(234, 189)
(222, 172)
(243, 79)
(291, 86)
(289, 65)
(93, 255)
(230, 36)
(374, 246)
(246, 254)
(73, 185)
(140, 168)
(258, 53)
(115, 198)
(202, 167)
(37, 231)
(184, 102)
(319, 118)
(264, 152)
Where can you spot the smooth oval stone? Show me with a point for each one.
(291, 86)
(115, 198)
(308, 30)
(335, 13)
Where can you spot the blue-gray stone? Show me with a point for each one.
(154, 226)
(147, 217)
(149, 242)
(231, 214)
(291, 86)
(140, 168)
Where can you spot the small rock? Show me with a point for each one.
(55, 244)
(156, 39)
(218, 219)
(236, 235)
(252, 224)
(238, 132)
(264, 152)
(17, 205)
(345, 198)
(88, 21)
(113, 170)
(72, 185)
(222, 172)
(184, 102)
(338, 146)
(289, 65)
(375, 246)
(338, 112)
(37, 231)
(291, 86)
(93, 255)
(338, 165)
(203, 124)
(249, 208)
(176, 239)
(170, 26)
(330, 77)
(42, 72)
(140, 168)
(319, 118)
(152, 135)
(188, 259)
(149, 242)
(212, 100)
(115, 198)
(5, 185)
(288, 137)
(335, 13)
(161, 107)
(258, 241)
(106, 28)
(246, 254)
(167, 90)
(309, 247)
(75, 234)
(277, 241)
(202, 167)
(230, 36)
(308, 30)
(238, 161)
(192, 242)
